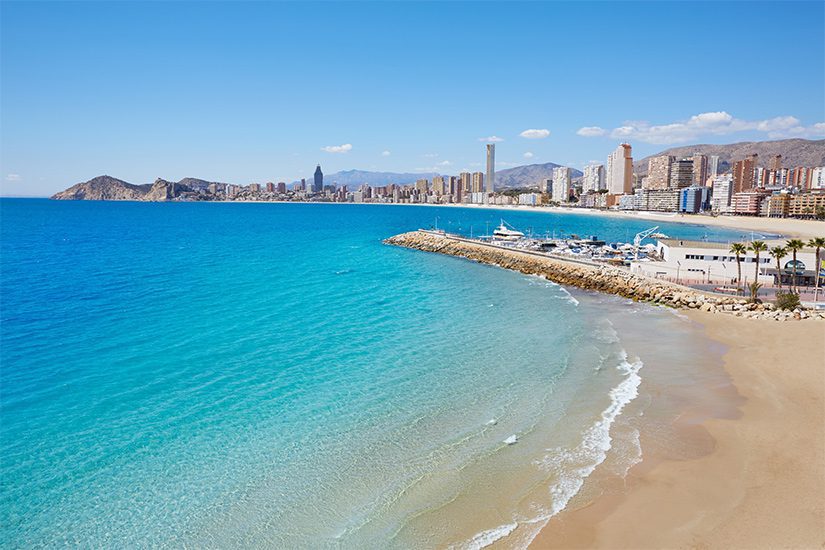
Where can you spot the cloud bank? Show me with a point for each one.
(345, 148)
(717, 123)
(534, 133)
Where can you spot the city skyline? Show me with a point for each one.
(235, 100)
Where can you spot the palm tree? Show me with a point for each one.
(779, 252)
(818, 243)
(738, 249)
(757, 247)
(794, 245)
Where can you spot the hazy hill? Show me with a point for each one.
(795, 152)
(530, 174)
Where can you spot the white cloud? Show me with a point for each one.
(345, 148)
(491, 139)
(444, 163)
(534, 133)
(528, 155)
(591, 131)
(505, 163)
(13, 177)
(430, 155)
(714, 124)
(385, 153)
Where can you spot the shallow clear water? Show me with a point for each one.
(228, 375)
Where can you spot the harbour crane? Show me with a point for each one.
(640, 236)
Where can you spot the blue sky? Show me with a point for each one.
(254, 92)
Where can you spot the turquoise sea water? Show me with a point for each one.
(235, 375)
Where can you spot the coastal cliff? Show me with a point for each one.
(107, 188)
(602, 278)
(103, 188)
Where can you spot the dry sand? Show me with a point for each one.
(763, 485)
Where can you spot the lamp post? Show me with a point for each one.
(678, 267)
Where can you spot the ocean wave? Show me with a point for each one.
(486, 538)
(573, 467)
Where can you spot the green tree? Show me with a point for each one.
(738, 249)
(817, 243)
(778, 252)
(794, 245)
(758, 247)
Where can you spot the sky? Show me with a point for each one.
(248, 92)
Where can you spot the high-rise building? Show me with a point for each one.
(422, 185)
(681, 174)
(593, 179)
(547, 185)
(700, 169)
(722, 193)
(817, 179)
(281, 187)
(658, 172)
(743, 174)
(620, 170)
(478, 182)
(491, 168)
(318, 186)
(466, 182)
(561, 184)
(714, 166)
(270, 187)
(438, 185)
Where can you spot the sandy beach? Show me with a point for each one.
(763, 483)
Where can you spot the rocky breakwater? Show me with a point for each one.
(602, 278)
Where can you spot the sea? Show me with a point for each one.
(221, 375)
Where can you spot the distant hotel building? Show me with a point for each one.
(713, 171)
(722, 192)
(478, 182)
(620, 170)
(681, 174)
(700, 169)
(593, 178)
(491, 168)
(743, 174)
(561, 184)
(658, 172)
(319, 180)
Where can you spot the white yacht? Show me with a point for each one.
(506, 233)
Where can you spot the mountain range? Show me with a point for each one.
(795, 152)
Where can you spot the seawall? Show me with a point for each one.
(591, 276)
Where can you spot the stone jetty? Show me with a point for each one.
(598, 277)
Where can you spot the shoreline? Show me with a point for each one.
(761, 485)
(771, 227)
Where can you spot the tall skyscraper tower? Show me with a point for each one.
(700, 169)
(319, 180)
(714, 166)
(620, 170)
(491, 168)
(561, 184)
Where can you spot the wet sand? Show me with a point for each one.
(763, 483)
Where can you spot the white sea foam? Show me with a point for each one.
(512, 440)
(574, 466)
(569, 296)
(486, 538)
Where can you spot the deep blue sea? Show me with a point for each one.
(272, 375)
